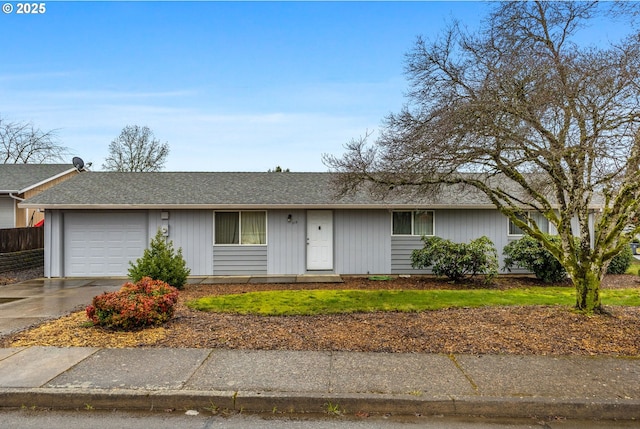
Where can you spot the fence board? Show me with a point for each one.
(19, 239)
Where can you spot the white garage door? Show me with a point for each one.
(102, 244)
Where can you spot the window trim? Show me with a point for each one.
(413, 217)
(266, 224)
(528, 215)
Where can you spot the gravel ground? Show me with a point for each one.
(9, 277)
(537, 330)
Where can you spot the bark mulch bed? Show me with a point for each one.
(537, 330)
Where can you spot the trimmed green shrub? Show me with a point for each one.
(457, 260)
(160, 262)
(529, 254)
(148, 302)
(621, 262)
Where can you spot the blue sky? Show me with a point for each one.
(231, 86)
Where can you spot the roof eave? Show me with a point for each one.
(48, 179)
(391, 206)
(300, 206)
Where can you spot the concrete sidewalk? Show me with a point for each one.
(288, 381)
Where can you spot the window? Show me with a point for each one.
(402, 223)
(240, 228)
(538, 218)
(413, 223)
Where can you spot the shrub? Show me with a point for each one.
(528, 253)
(457, 260)
(148, 302)
(621, 262)
(161, 263)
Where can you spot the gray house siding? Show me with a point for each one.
(401, 248)
(286, 242)
(362, 241)
(191, 230)
(54, 253)
(457, 226)
(7, 212)
(239, 260)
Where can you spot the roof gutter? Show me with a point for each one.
(15, 197)
(259, 206)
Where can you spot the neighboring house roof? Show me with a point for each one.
(19, 178)
(231, 190)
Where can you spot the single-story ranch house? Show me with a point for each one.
(250, 224)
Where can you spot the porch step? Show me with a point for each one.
(304, 278)
(319, 278)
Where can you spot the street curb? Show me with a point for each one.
(278, 402)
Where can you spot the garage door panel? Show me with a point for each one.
(102, 244)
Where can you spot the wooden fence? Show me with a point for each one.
(19, 239)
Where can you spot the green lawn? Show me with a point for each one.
(634, 267)
(313, 302)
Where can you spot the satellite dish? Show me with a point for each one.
(78, 163)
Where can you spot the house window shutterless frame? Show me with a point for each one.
(417, 222)
(538, 218)
(240, 227)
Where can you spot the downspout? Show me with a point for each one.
(15, 197)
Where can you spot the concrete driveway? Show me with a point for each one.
(32, 301)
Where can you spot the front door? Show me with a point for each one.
(319, 240)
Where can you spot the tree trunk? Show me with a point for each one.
(588, 292)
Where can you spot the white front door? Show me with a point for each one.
(319, 240)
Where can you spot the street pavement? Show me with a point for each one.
(575, 387)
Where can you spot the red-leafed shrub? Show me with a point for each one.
(136, 305)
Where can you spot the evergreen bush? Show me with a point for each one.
(160, 262)
(457, 260)
(529, 254)
(621, 262)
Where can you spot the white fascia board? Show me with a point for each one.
(244, 206)
(259, 206)
(48, 179)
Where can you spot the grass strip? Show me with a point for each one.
(634, 267)
(315, 302)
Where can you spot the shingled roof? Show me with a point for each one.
(238, 190)
(231, 190)
(18, 178)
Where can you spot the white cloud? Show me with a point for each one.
(112, 95)
(33, 76)
(292, 131)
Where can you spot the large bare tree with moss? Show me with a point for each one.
(136, 149)
(544, 125)
(23, 143)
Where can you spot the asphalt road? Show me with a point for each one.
(28, 419)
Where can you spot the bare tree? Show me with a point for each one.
(136, 149)
(22, 143)
(522, 113)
